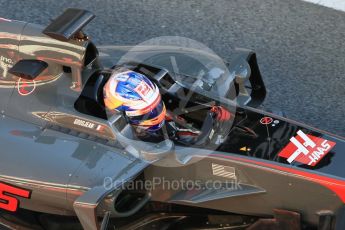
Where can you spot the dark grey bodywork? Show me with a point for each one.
(65, 165)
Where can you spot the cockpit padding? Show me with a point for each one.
(90, 101)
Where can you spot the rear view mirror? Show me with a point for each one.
(242, 74)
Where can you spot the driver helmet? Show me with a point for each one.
(139, 98)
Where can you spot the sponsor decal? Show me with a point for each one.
(122, 77)
(275, 122)
(211, 134)
(6, 64)
(9, 196)
(223, 171)
(306, 149)
(6, 60)
(143, 89)
(83, 123)
(26, 87)
(266, 120)
(5, 20)
(245, 149)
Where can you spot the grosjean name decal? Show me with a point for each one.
(85, 124)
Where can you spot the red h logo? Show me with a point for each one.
(306, 149)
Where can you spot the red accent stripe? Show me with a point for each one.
(337, 186)
(187, 133)
(222, 113)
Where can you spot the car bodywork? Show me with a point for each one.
(60, 147)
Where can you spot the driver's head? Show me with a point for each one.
(134, 94)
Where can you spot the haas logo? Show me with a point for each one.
(25, 87)
(306, 149)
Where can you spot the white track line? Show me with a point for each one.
(334, 4)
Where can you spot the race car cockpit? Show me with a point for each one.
(200, 112)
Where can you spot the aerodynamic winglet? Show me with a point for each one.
(205, 195)
(28, 69)
(68, 24)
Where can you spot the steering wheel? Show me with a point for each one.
(212, 127)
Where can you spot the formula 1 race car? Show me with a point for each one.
(67, 163)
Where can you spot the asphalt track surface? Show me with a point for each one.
(300, 46)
